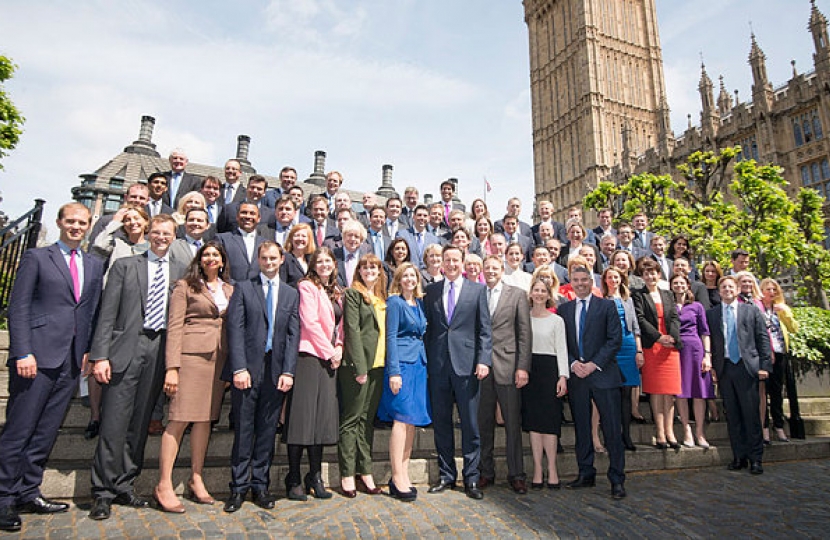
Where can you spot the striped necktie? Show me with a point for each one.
(154, 318)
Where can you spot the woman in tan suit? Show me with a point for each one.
(195, 357)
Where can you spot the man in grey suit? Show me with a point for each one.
(128, 360)
(195, 224)
(741, 358)
(417, 237)
(511, 332)
(179, 182)
(459, 352)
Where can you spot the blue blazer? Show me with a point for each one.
(602, 339)
(44, 318)
(247, 330)
(416, 256)
(241, 268)
(404, 334)
(465, 341)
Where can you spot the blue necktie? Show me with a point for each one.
(450, 301)
(732, 336)
(211, 217)
(269, 305)
(582, 315)
(378, 245)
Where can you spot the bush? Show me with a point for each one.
(810, 346)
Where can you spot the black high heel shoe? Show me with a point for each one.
(314, 486)
(406, 496)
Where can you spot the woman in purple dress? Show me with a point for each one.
(695, 361)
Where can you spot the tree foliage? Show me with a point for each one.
(11, 121)
(780, 233)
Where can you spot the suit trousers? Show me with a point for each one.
(256, 412)
(126, 406)
(608, 403)
(34, 413)
(775, 389)
(359, 405)
(443, 387)
(509, 399)
(739, 390)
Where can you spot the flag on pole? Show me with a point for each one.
(487, 184)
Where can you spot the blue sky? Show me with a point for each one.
(437, 88)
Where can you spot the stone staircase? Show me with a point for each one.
(67, 476)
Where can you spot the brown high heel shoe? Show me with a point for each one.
(176, 509)
(374, 491)
(191, 495)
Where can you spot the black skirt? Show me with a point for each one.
(541, 409)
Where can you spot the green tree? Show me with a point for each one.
(11, 120)
(812, 258)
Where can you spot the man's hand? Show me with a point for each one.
(285, 382)
(763, 374)
(102, 371)
(482, 371)
(521, 378)
(361, 379)
(395, 384)
(242, 380)
(27, 367)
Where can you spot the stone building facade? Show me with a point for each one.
(785, 124)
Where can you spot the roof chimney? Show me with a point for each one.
(144, 145)
(318, 177)
(386, 188)
(243, 144)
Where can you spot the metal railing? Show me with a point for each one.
(17, 237)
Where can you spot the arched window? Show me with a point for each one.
(817, 127)
(825, 170)
(816, 173)
(808, 133)
(799, 140)
(805, 175)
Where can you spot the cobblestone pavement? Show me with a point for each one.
(789, 501)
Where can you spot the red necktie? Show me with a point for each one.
(73, 271)
(319, 235)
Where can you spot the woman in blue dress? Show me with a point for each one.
(630, 355)
(404, 398)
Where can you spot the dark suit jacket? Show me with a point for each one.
(465, 341)
(331, 230)
(385, 241)
(524, 229)
(239, 192)
(44, 318)
(209, 234)
(602, 338)
(165, 209)
(189, 182)
(512, 335)
(227, 219)
(753, 339)
(643, 239)
(558, 232)
(566, 249)
(241, 267)
(247, 330)
(416, 256)
(121, 320)
(701, 294)
(648, 320)
(291, 272)
(340, 258)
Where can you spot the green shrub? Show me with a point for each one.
(810, 346)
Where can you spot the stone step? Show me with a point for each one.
(810, 406)
(71, 480)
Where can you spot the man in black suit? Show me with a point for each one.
(137, 194)
(241, 244)
(459, 351)
(233, 191)
(605, 217)
(51, 316)
(410, 200)
(179, 182)
(510, 230)
(284, 218)
(354, 247)
(333, 182)
(545, 211)
(447, 204)
(157, 184)
(658, 253)
(514, 208)
(741, 358)
(594, 337)
(369, 201)
(377, 237)
(128, 359)
(437, 225)
(321, 224)
(211, 190)
(254, 194)
(394, 222)
(263, 331)
(288, 178)
(297, 195)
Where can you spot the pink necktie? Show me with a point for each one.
(447, 212)
(73, 271)
(319, 235)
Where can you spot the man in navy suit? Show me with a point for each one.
(417, 237)
(594, 336)
(288, 178)
(459, 352)
(241, 243)
(353, 248)
(741, 358)
(179, 182)
(263, 338)
(233, 191)
(51, 312)
(322, 225)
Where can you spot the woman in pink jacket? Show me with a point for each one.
(312, 417)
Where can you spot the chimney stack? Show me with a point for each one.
(144, 144)
(243, 145)
(386, 188)
(318, 177)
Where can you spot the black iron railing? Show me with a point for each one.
(17, 237)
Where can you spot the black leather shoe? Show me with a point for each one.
(264, 499)
(738, 464)
(132, 500)
(39, 505)
(100, 509)
(314, 486)
(618, 491)
(442, 485)
(295, 493)
(472, 491)
(9, 519)
(756, 468)
(234, 502)
(582, 482)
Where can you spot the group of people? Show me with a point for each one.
(320, 320)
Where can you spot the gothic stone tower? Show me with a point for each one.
(596, 71)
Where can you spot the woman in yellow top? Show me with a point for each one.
(780, 324)
(361, 375)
